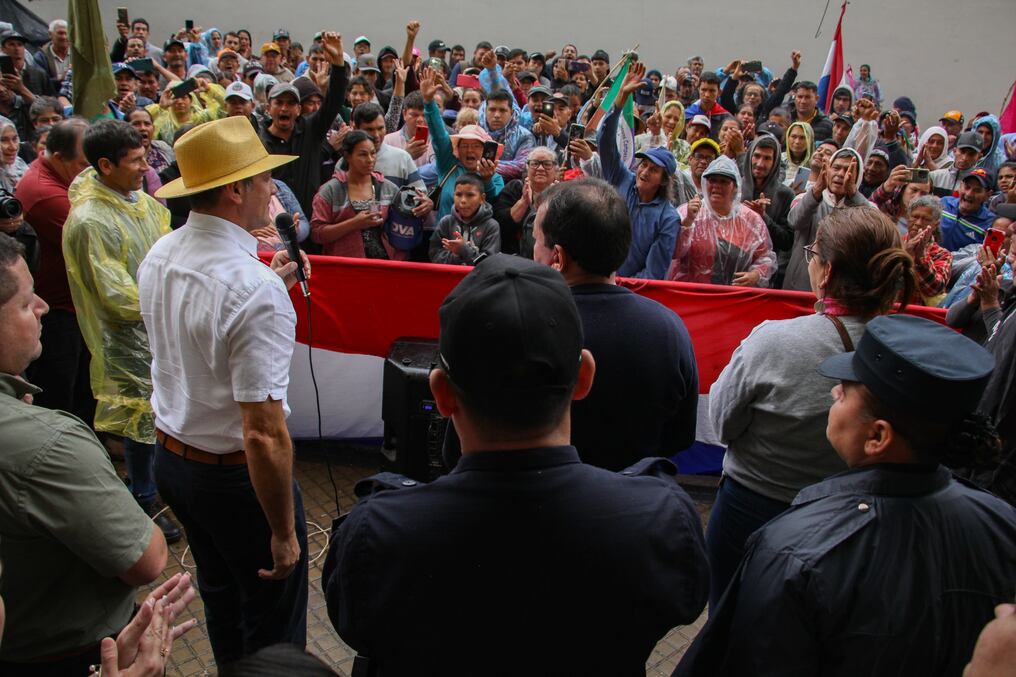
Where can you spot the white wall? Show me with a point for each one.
(942, 53)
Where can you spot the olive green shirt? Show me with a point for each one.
(68, 528)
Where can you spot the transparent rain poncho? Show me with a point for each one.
(105, 238)
(716, 247)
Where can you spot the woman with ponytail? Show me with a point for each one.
(894, 566)
(769, 406)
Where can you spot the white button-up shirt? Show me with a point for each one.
(221, 327)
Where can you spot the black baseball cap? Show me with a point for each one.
(12, 34)
(510, 327)
(437, 46)
(600, 55)
(538, 56)
(914, 365)
(970, 140)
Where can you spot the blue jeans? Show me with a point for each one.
(737, 513)
(230, 540)
(140, 461)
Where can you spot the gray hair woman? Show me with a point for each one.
(516, 205)
(932, 262)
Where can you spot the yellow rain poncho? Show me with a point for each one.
(104, 240)
(211, 105)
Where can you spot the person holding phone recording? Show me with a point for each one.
(414, 137)
(25, 78)
(178, 106)
(456, 154)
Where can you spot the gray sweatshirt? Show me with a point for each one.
(770, 406)
(804, 218)
(481, 233)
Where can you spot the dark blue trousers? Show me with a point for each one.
(230, 540)
(737, 513)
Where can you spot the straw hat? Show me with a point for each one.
(217, 153)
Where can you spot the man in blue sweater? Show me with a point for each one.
(655, 224)
(582, 230)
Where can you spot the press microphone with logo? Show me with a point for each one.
(287, 232)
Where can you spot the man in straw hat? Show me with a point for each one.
(221, 329)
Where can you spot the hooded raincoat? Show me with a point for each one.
(105, 238)
(993, 157)
(165, 122)
(797, 173)
(779, 196)
(944, 160)
(716, 246)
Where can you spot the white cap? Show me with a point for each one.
(701, 120)
(240, 89)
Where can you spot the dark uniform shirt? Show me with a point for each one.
(881, 570)
(304, 175)
(518, 562)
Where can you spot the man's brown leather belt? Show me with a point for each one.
(175, 446)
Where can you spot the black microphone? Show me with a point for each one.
(287, 231)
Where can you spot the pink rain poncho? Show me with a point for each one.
(715, 246)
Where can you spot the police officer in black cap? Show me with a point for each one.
(894, 566)
(523, 560)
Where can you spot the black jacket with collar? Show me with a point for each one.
(303, 175)
(518, 562)
(880, 570)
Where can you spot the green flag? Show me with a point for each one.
(92, 74)
(626, 127)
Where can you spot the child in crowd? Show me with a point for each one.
(470, 229)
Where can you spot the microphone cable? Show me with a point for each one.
(284, 225)
(317, 404)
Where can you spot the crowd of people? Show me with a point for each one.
(136, 316)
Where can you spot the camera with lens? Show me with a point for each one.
(10, 206)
